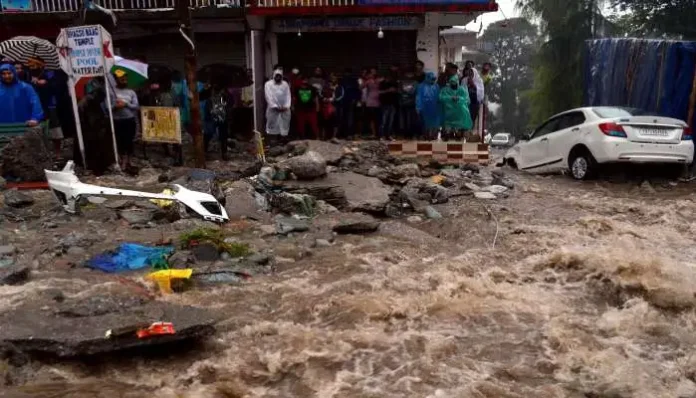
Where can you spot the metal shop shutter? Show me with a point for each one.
(334, 51)
(168, 49)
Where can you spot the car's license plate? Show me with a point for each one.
(654, 132)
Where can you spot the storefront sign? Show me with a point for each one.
(85, 51)
(15, 5)
(161, 124)
(346, 24)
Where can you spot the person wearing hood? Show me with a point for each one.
(278, 101)
(474, 83)
(428, 105)
(18, 100)
(455, 104)
(125, 112)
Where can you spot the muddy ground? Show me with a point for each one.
(562, 289)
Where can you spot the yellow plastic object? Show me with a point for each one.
(164, 203)
(437, 179)
(164, 277)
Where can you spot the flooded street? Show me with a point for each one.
(589, 291)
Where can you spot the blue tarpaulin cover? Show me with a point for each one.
(652, 75)
(129, 257)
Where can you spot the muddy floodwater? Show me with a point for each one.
(563, 289)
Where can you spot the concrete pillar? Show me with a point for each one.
(258, 67)
(428, 42)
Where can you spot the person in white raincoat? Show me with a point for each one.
(278, 100)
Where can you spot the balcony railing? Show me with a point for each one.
(306, 3)
(74, 5)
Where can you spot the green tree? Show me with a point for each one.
(558, 67)
(656, 18)
(512, 45)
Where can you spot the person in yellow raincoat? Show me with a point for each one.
(456, 119)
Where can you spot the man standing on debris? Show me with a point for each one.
(218, 115)
(428, 106)
(408, 118)
(389, 100)
(125, 111)
(307, 107)
(455, 103)
(18, 100)
(278, 100)
(45, 84)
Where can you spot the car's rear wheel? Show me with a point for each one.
(511, 163)
(582, 165)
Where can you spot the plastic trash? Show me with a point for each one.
(156, 329)
(163, 203)
(131, 256)
(164, 278)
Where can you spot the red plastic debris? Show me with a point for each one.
(156, 329)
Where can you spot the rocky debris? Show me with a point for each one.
(404, 171)
(474, 168)
(194, 223)
(289, 203)
(286, 225)
(309, 166)
(431, 213)
(3, 183)
(356, 224)
(327, 190)
(259, 258)
(96, 200)
(420, 193)
(14, 274)
(17, 199)
(76, 239)
(241, 202)
(322, 243)
(267, 230)
(484, 195)
(181, 259)
(332, 153)
(205, 251)
(496, 189)
(362, 193)
(119, 204)
(27, 156)
(415, 219)
(137, 216)
(324, 208)
(499, 178)
(218, 276)
(7, 250)
(276, 151)
(77, 326)
(472, 187)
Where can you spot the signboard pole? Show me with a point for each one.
(78, 124)
(111, 119)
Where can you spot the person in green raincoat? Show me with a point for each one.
(456, 119)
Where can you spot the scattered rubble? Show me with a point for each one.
(17, 199)
(362, 193)
(356, 224)
(309, 166)
(26, 157)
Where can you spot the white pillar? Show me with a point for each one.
(428, 42)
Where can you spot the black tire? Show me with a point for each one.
(511, 163)
(582, 165)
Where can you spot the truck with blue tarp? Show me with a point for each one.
(656, 76)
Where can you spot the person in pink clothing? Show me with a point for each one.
(372, 104)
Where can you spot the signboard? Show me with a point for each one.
(161, 124)
(347, 24)
(85, 51)
(15, 5)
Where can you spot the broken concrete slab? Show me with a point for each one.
(484, 195)
(77, 327)
(27, 156)
(325, 189)
(137, 216)
(240, 201)
(331, 152)
(363, 193)
(355, 224)
(309, 166)
(286, 225)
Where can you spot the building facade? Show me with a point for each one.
(258, 34)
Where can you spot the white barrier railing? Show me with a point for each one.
(305, 3)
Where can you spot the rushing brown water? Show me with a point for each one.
(589, 292)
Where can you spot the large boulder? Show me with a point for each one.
(363, 193)
(241, 202)
(332, 153)
(26, 157)
(309, 166)
(15, 198)
(355, 224)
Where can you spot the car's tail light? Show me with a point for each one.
(612, 130)
(687, 134)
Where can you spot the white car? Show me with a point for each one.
(582, 139)
(501, 140)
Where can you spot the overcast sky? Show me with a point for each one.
(507, 6)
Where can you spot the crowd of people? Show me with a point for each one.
(408, 103)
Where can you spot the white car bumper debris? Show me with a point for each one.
(68, 190)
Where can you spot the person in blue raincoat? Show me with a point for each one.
(456, 119)
(19, 102)
(428, 105)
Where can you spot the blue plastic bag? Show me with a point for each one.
(129, 257)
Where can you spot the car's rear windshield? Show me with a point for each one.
(609, 112)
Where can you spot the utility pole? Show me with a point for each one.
(190, 67)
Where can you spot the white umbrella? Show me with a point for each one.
(21, 48)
